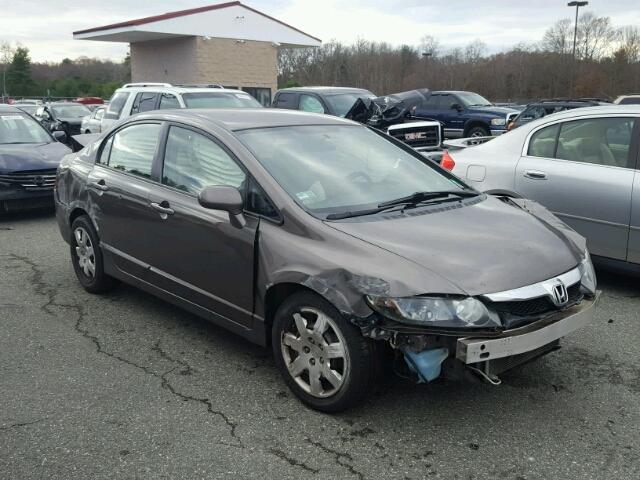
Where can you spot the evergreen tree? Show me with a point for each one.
(19, 81)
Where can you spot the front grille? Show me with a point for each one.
(417, 137)
(517, 313)
(31, 180)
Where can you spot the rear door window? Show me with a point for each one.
(133, 149)
(144, 102)
(600, 141)
(168, 100)
(309, 103)
(116, 104)
(543, 142)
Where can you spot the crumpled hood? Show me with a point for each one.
(41, 156)
(497, 111)
(486, 247)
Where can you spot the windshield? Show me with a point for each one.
(471, 99)
(21, 128)
(220, 100)
(337, 168)
(70, 111)
(341, 103)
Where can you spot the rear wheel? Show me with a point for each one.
(86, 257)
(478, 131)
(323, 359)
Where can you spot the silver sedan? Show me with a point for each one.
(91, 123)
(580, 164)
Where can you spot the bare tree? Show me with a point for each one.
(6, 55)
(596, 36)
(559, 37)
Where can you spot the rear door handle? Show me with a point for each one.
(99, 185)
(162, 209)
(535, 174)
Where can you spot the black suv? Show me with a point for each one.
(542, 108)
(330, 100)
(62, 116)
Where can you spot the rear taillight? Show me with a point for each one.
(447, 161)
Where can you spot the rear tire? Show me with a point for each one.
(86, 257)
(324, 359)
(478, 131)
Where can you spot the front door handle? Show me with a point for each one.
(535, 174)
(99, 185)
(162, 209)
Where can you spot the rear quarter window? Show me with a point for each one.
(286, 100)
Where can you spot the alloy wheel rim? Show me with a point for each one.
(315, 353)
(84, 252)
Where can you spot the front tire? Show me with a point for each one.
(324, 360)
(478, 131)
(87, 258)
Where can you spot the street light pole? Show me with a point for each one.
(575, 28)
(575, 35)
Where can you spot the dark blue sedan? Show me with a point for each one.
(29, 157)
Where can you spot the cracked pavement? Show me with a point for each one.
(127, 386)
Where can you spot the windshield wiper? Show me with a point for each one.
(410, 200)
(420, 197)
(359, 213)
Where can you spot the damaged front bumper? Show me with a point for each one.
(429, 355)
(529, 338)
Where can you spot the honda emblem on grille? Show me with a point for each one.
(559, 294)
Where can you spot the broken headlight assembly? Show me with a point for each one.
(436, 312)
(588, 274)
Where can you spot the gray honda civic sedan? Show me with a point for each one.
(338, 246)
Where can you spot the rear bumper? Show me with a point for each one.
(62, 217)
(527, 339)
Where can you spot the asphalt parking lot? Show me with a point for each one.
(127, 386)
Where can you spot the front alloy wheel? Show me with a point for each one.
(322, 357)
(314, 353)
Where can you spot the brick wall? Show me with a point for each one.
(232, 63)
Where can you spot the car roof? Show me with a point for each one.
(233, 119)
(321, 89)
(578, 113)
(570, 102)
(452, 91)
(178, 89)
(57, 104)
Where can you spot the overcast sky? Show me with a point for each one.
(46, 26)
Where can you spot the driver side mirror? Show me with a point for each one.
(228, 199)
(60, 136)
(456, 106)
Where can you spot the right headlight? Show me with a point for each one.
(588, 274)
(436, 312)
